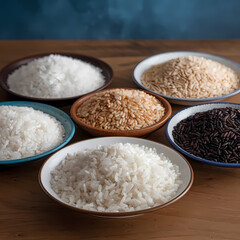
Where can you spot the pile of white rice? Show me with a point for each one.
(27, 132)
(55, 76)
(116, 178)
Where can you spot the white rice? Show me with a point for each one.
(55, 76)
(116, 178)
(27, 132)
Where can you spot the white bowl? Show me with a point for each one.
(183, 114)
(53, 161)
(164, 57)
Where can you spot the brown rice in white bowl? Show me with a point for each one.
(189, 78)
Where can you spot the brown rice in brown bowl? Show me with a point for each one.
(121, 112)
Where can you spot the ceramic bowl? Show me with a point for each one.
(130, 133)
(54, 160)
(164, 57)
(106, 71)
(61, 116)
(183, 114)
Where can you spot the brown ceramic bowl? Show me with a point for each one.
(54, 160)
(106, 71)
(130, 133)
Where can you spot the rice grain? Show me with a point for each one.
(121, 109)
(55, 76)
(27, 132)
(191, 77)
(116, 178)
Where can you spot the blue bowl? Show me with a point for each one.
(61, 116)
(183, 114)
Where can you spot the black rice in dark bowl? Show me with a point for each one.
(213, 135)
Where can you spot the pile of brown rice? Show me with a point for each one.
(191, 77)
(121, 109)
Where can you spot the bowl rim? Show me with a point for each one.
(4, 72)
(218, 164)
(161, 122)
(118, 214)
(44, 154)
(196, 100)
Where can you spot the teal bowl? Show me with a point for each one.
(61, 116)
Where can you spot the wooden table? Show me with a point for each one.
(210, 210)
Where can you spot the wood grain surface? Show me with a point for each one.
(210, 210)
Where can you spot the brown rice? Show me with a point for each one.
(191, 77)
(121, 109)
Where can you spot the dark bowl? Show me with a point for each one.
(129, 133)
(11, 67)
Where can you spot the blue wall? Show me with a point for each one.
(120, 19)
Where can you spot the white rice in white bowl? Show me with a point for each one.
(116, 178)
(26, 132)
(55, 76)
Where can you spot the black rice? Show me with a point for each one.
(213, 135)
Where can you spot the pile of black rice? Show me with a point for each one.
(213, 135)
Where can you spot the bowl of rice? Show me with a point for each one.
(121, 112)
(208, 133)
(188, 78)
(31, 131)
(116, 176)
(55, 76)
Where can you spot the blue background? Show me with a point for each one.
(120, 19)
